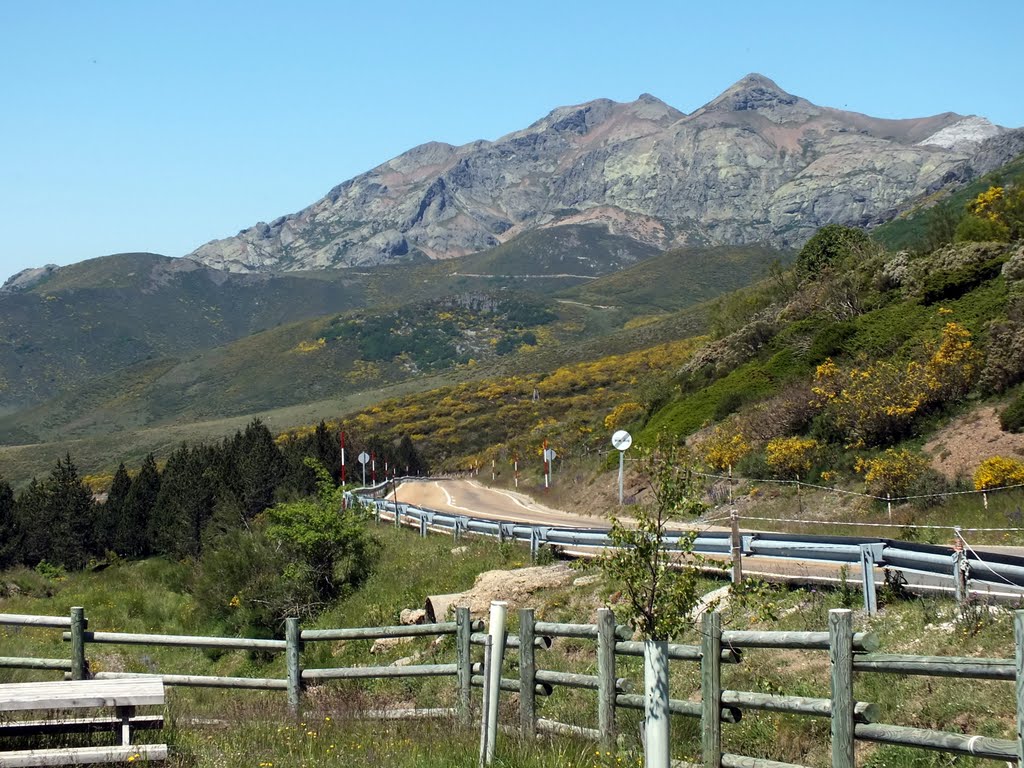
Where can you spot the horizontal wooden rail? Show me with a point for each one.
(622, 632)
(543, 642)
(183, 641)
(204, 681)
(508, 684)
(564, 729)
(805, 641)
(676, 651)
(28, 620)
(742, 761)
(361, 673)
(22, 662)
(573, 680)
(33, 758)
(676, 707)
(376, 633)
(937, 666)
(974, 746)
(863, 711)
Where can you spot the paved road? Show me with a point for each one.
(469, 497)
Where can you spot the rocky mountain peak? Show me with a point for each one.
(756, 164)
(759, 94)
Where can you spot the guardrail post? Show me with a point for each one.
(1018, 631)
(293, 653)
(527, 676)
(423, 525)
(960, 567)
(79, 667)
(463, 660)
(840, 651)
(711, 689)
(398, 516)
(736, 543)
(534, 544)
(606, 677)
(867, 567)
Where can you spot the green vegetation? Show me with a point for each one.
(1012, 417)
(254, 728)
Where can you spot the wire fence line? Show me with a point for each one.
(846, 492)
(905, 526)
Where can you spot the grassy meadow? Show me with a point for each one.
(210, 727)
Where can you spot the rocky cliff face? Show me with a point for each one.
(756, 164)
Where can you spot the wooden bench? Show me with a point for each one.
(124, 695)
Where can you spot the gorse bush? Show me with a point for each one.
(998, 472)
(791, 458)
(893, 473)
(876, 404)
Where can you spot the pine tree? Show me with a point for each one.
(108, 516)
(9, 534)
(134, 525)
(70, 514)
(184, 503)
(259, 468)
(30, 513)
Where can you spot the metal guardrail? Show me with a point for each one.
(988, 570)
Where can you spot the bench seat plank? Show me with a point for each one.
(29, 758)
(73, 694)
(77, 725)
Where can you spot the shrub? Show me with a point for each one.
(894, 472)
(877, 404)
(791, 458)
(830, 246)
(998, 472)
(941, 285)
(723, 448)
(1012, 417)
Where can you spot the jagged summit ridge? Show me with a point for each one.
(755, 164)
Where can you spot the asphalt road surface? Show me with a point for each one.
(468, 497)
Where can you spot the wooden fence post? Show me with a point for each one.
(527, 676)
(840, 651)
(711, 689)
(464, 661)
(606, 677)
(1018, 631)
(79, 667)
(293, 653)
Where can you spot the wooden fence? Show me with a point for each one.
(848, 653)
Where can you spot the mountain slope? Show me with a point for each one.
(756, 164)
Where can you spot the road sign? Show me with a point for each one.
(621, 440)
(550, 455)
(363, 457)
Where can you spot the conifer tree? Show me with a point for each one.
(9, 534)
(184, 503)
(108, 516)
(134, 525)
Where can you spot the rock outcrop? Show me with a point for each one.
(756, 164)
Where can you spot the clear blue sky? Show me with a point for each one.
(131, 126)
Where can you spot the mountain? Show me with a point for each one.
(754, 165)
(61, 327)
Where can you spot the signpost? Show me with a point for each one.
(549, 456)
(621, 441)
(364, 459)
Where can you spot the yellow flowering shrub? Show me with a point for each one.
(723, 448)
(791, 458)
(876, 404)
(894, 472)
(997, 472)
(623, 414)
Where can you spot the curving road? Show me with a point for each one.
(469, 497)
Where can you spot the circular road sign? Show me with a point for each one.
(550, 455)
(621, 440)
(363, 457)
